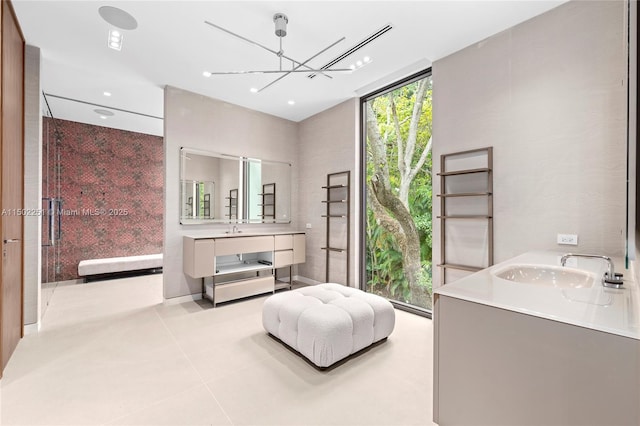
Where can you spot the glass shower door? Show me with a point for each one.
(51, 209)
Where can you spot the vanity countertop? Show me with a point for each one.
(204, 235)
(615, 311)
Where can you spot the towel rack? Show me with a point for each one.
(466, 200)
(338, 222)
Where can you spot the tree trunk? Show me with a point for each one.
(393, 213)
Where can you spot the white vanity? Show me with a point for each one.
(527, 342)
(233, 266)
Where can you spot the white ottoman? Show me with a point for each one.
(328, 322)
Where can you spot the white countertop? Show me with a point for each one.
(201, 235)
(615, 311)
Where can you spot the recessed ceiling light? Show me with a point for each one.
(253, 90)
(115, 40)
(206, 73)
(118, 18)
(360, 63)
(106, 93)
(103, 117)
(291, 102)
(104, 112)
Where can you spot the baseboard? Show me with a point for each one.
(31, 328)
(306, 280)
(182, 299)
(68, 282)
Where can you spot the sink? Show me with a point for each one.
(547, 275)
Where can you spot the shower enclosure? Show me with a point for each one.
(52, 211)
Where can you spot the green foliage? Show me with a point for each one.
(384, 258)
(384, 262)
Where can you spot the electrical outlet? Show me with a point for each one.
(568, 239)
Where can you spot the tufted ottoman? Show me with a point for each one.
(328, 322)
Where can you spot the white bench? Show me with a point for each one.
(327, 323)
(115, 265)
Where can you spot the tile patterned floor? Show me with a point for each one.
(111, 353)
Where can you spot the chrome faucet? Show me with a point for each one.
(233, 230)
(610, 279)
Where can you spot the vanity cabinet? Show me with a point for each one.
(497, 367)
(289, 250)
(283, 246)
(233, 267)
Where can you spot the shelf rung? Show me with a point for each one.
(461, 267)
(466, 194)
(464, 172)
(333, 249)
(334, 201)
(333, 215)
(465, 217)
(334, 186)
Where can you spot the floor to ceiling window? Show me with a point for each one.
(397, 193)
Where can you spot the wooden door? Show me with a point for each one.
(11, 182)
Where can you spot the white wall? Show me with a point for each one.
(328, 143)
(199, 122)
(549, 95)
(32, 184)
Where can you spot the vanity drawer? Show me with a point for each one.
(244, 288)
(283, 258)
(284, 242)
(236, 245)
(198, 257)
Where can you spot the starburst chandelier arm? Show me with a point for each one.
(278, 71)
(255, 43)
(303, 64)
(308, 68)
(241, 37)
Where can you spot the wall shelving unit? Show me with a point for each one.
(466, 211)
(232, 206)
(268, 204)
(338, 222)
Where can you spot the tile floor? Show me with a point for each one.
(112, 353)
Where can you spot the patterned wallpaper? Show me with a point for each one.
(112, 191)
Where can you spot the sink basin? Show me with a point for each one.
(547, 275)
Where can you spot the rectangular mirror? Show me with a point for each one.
(268, 186)
(219, 188)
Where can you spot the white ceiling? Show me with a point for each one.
(173, 46)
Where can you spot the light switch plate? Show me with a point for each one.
(568, 239)
(308, 226)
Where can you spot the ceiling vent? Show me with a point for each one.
(355, 48)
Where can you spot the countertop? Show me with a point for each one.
(203, 235)
(615, 311)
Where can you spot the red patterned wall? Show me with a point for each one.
(112, 190)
